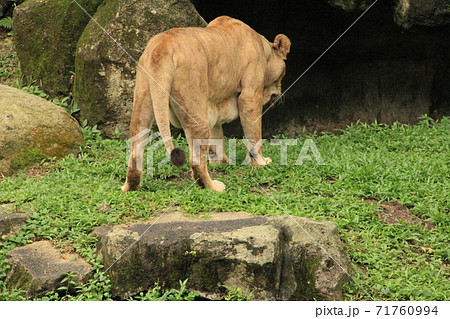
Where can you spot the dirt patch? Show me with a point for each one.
(264, 188)
(36, 171)
(183, 175)
(294, 129)
(363, 270)
(395, 213)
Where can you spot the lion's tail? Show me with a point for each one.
(160, 92)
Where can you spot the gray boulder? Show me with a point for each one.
(31, 129)
(408, 13)
(105, 74)
(429, 13)
(271, 257)
(39, 268)
(45, 37)
(10, 221)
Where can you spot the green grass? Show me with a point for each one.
(10, 73)
(405, 164)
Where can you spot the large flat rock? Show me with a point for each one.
(39, 268)
(271, 257)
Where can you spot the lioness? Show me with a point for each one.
(199, 78)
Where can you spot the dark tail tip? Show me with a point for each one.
(178, 157)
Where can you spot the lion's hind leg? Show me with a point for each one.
(142, 118)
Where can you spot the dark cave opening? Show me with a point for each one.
(376, 71)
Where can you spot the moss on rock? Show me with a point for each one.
(45, 36)
(430, 13)
(273, 257)
(408, 13)
(350, 5)
(10, 221)
(32, 129)
(27, 157)
(38, 268)
(106, 56)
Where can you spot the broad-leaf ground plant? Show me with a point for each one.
(386, 187)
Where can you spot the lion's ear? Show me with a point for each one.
(282, 45)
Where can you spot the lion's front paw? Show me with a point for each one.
(217, 186)
(258, 161)
(125, 188)
(268, 160)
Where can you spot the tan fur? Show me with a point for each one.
(213, 75)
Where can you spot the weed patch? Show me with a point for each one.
(398, 242)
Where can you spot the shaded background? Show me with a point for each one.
(376, 71)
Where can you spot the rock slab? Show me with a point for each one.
(39, 268)
(31, 129)
(271, 258)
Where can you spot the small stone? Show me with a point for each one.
(39, 268)
(10, 222)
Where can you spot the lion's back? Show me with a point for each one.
(216, 56)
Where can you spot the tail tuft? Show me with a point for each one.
(178, 157)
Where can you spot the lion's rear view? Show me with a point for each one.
(186, 76)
